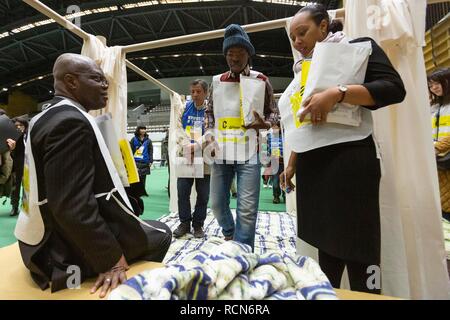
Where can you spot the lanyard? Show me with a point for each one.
(437, 123)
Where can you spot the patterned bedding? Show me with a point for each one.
(229, 270)
(275, 232)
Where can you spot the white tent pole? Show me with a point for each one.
(45, 10)
(202, 36)
(148, 77)
(256, 27)
(208, 35)
(42, 8)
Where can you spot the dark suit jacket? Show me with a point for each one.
(79, 229)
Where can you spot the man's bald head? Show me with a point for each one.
(72, 63)
(81, 79)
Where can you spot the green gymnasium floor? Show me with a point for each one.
(156, 205)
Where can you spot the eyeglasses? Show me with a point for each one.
(93, 76)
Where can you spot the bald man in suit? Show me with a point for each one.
(82, 226)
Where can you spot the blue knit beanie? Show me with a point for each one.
(235, 36)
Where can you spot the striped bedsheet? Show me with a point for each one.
(228, 270)
(275, 233)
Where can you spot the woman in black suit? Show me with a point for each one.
(337, 184)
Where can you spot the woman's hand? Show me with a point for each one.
(319, 105)
(286, 178)
(111, 279)
(11, 144)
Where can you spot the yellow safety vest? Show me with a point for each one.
(440, 122)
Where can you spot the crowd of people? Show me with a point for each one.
(334, 170)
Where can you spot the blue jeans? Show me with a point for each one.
(184, 186)
(248, 187)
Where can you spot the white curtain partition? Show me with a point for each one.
(413, 254)
(112, 62)
(176, 103)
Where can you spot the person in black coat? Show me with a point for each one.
(337, 184)
(18, 156)
(82, 228)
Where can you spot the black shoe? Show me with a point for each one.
(182, 229)
(14, 212)
(276, 200)
(234, 195)
(198, 232)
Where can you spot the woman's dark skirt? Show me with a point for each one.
(338, 200)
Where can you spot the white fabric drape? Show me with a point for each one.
(112, 62)
(413, 254)
(176, 103)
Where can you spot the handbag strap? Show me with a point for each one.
(141, 143)
(437, 122)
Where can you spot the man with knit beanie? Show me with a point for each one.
(234, 145)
